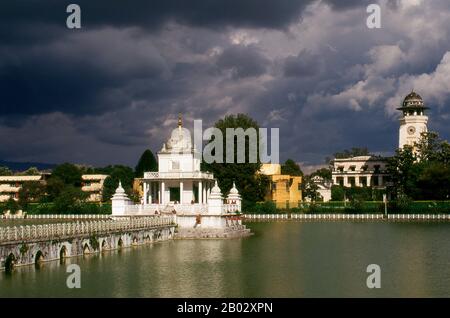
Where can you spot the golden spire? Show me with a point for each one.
(180, 120)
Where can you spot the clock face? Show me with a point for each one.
(411, 130)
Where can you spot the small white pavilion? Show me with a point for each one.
(179, 187)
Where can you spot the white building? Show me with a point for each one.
(360, 171)
(181, 188)
(92, 184)
(323, 187)
(11, 185)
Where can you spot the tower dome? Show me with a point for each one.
(413, 101)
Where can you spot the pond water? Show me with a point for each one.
(282, 259)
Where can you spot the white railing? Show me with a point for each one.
(178, 175)
(55, 216)
(72, 229)
(231, 208)
(362, 217)
(150, 209)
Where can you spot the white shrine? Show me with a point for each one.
(180, 188)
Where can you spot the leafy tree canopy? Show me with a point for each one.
(147, 162)
(5, 171)
(290, 167)
(68, 173)
(422, 171)
(354, 152)
(251, 186)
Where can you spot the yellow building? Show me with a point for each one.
(285, 191)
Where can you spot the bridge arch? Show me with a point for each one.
(120, 243)
(86, 249)
(10, 262)
(63, 252)
(38, 259)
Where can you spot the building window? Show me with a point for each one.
(375, 181)
(363, 181)
(352, 168)
(352, 181)
(377, 168)
(274, 186)
(299, 187)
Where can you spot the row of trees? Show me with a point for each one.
(63, 187)
(422, 171)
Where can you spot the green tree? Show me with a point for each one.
(69, 201)
(68, 173)
(325, 173)
(400, 168)
(354, 152)
(5, 171)
(12, 206)
(291, 168)
(251, 186)
(31, 192)
(309, 189)
(434, 182)
(117, 173)
(54, 187)
(337, 193)
(147, 162)
(32, 171)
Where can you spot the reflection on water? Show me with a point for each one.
(281, 260)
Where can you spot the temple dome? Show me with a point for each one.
(216, 193)
(180, 140)
(234, 190)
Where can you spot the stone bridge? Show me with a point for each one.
(33, 244)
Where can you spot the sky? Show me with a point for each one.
(104, 93)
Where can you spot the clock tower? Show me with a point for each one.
(413, 121)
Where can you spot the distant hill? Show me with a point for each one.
(22, 166)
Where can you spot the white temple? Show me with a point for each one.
(181, 189)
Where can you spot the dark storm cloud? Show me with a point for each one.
(153, 14)
(104, 93)
(304, 64)
(243, 61)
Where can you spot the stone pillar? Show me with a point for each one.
(144, 185)
(200, 192)
(159, 192)
(150, 193)
(163, 190)
(204, 194)
(181, 192)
